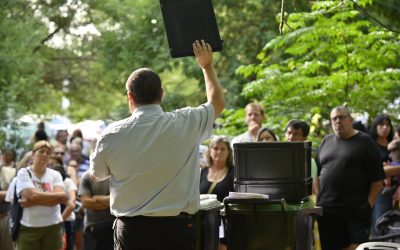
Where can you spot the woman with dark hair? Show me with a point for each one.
(266, 134)
(381, 132)
(217, 178)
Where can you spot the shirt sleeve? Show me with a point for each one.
(375, 165)
(10, 191)
(70, 185)
(207, 113)
(317, 162)
(84, 185)
(58, 181)
(24, 181)
(98, 165)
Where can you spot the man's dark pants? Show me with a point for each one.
(144, 232)
(99, 236)
(339, 230)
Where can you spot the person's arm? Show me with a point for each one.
(99, 170)
(316, 186)
(3, 195)
(69, 208)
(32, 196)
(391, 170)
(393, 144)
(71, 171)
(374, 191)
(215, 93)
(96, 202)
(103, 199)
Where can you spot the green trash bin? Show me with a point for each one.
(207, 231)
(264, 224)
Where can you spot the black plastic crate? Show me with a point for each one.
(272, 161)
(292, 191)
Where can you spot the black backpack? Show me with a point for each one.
(16, 213)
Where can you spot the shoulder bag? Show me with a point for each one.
(16, 213)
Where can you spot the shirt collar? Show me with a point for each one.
(147, 108)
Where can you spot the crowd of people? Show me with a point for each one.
(142, 182)
(62, 207)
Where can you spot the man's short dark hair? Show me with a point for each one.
(296, 124)
(145, 85)
(41, 135)
(346, 110)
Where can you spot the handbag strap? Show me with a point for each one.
(211, 189)
(15, 187)
(218, 179)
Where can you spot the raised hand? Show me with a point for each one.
(203, 53)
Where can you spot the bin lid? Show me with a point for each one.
(272, 144)
(267, 205)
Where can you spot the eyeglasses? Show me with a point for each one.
(339, 117)
(59, 153)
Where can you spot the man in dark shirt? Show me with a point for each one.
(95, 197)
(350, 175)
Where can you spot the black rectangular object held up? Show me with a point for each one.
(186, 21)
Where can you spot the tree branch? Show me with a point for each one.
(46, 39)
(373, 18)
(282, 18)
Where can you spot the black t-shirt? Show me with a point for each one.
(222, 188)
(383, 152)
(346, 168)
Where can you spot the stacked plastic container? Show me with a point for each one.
(281, 170)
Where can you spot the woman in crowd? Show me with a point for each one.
(67, 212)
(266, 134)
(41, 190)
(59, 150)
(382, 132)
(217, 178)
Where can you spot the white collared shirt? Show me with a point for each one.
(153, 160)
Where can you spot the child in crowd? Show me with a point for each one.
(392, 170)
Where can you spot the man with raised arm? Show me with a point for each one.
(152, 159)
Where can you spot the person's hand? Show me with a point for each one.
(253, 127)
(73, 163)
(203, 53)
(24, 202)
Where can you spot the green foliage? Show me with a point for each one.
(330, 53)
(21, 73)
(334, 56)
